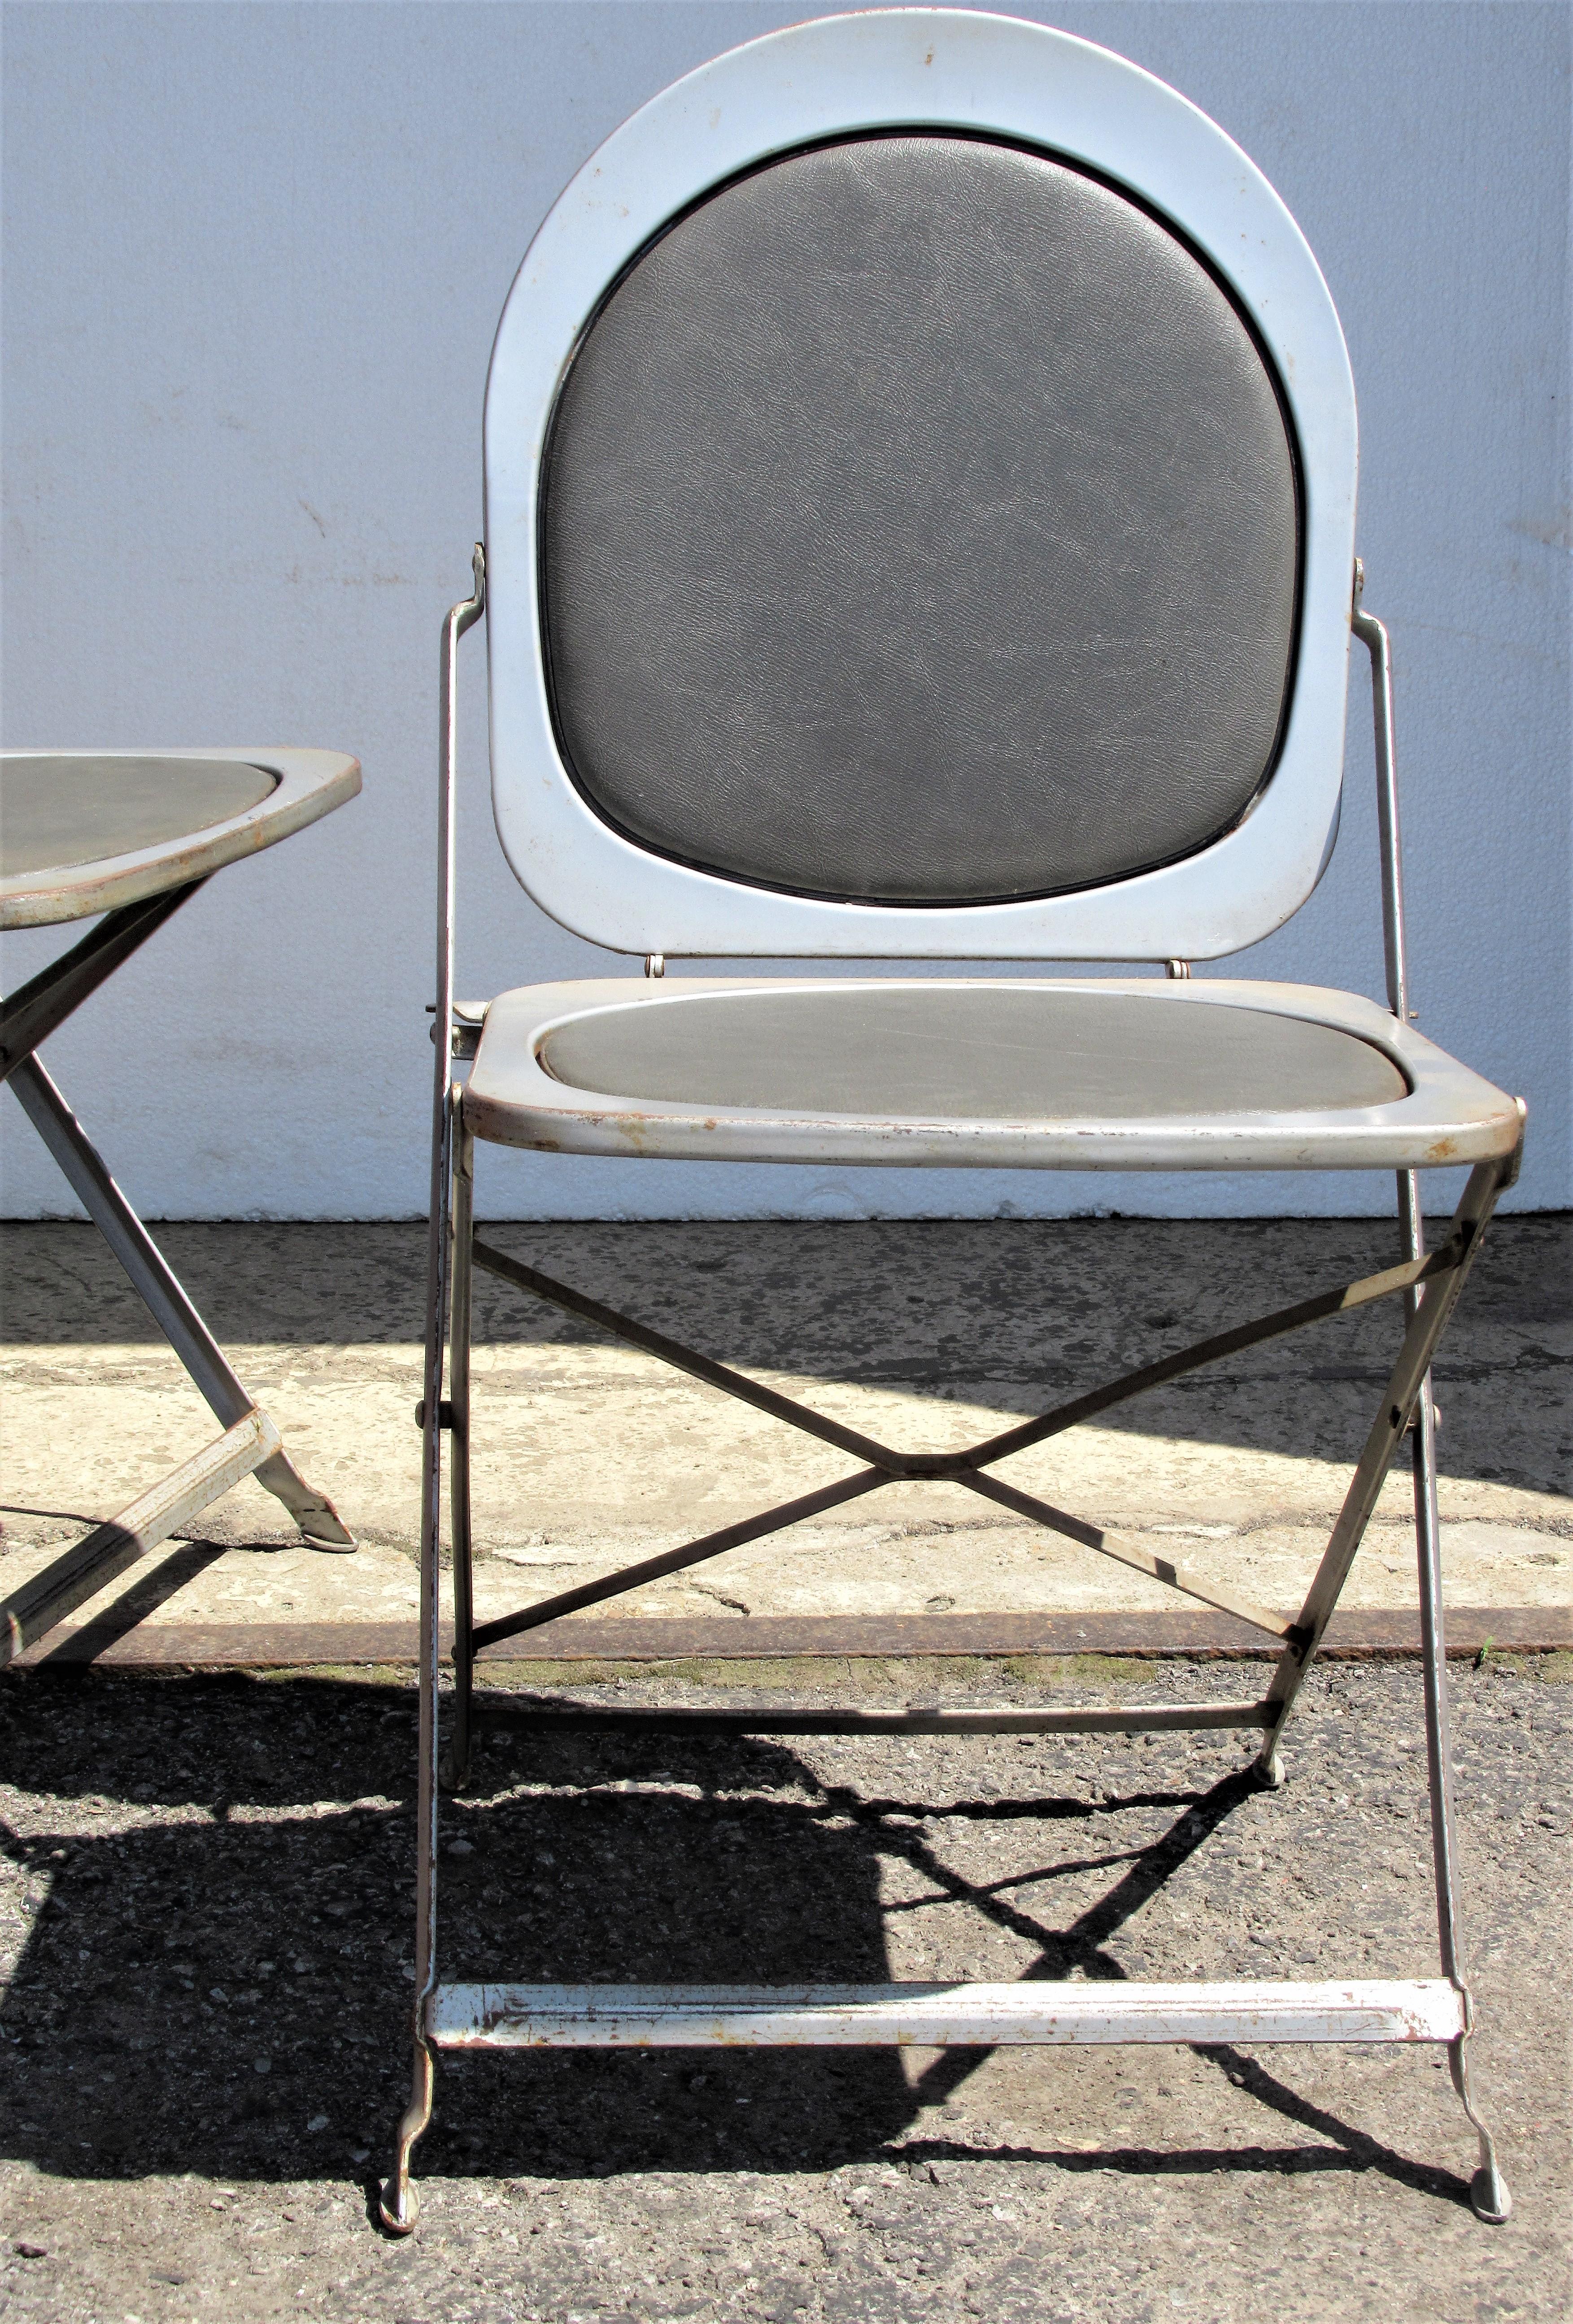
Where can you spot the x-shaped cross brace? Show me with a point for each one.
(1442, 1274)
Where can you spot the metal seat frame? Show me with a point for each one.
(467, 2016)
(250, 1445)
(892, 68)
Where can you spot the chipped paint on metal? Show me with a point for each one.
(937, 2016)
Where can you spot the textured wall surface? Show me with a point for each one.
(254, 259)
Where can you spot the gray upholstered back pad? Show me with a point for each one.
(918, 524)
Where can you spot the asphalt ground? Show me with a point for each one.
(208, 1930)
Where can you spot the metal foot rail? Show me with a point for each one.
(934, 2016)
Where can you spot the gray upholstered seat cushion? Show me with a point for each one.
(979, 1053)
(920, 524)
(58, 811)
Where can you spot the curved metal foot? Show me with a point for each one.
(319, 1522)
(1268, 1769)
(1488, 2191)
(399, 2205)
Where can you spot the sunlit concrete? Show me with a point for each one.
(590, 1455)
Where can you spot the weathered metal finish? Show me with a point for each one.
(1341, 1301)
(1489, 2192)
(165, 1298)
(1374, 637)
(469, 1017)
(961, 1468)
(397, 2204)
(794, 1719)
(1129, 1553)
(95, 1560)
(1433, 1664)
(828, 78)
(954, 1466)
(458, 1423)
(934, 2016)
(673, 1561)
(37, 1008)
(310, 784)
(1429, 1286)
(139, 891)
(1447, 1115)
(688, 1360)
(1403, 1392)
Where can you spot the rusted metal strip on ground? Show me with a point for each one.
(1355, 1633)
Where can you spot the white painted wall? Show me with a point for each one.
(253, 258)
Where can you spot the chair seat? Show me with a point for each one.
(85, 832)
(987, 1071)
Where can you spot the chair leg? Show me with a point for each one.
(1428, 1319)
(398, 2204)
(458, 1760)
(398, 2201)
(321, 1526)
(165, 1298)
(1488, 2191)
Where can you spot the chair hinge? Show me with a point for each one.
(468, 1020)
(444, 1418)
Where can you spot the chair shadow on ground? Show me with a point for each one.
(223, 1988)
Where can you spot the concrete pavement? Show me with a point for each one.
(589, 1455)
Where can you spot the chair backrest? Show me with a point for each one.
(920, 465)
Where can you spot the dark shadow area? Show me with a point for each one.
(1016, 1315)
(150, 1591)
(1352, 2152)
(222, 1986)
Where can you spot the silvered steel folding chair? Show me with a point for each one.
(130, 837)
(921, 467)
